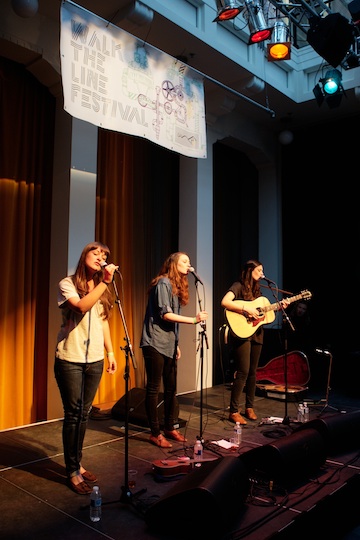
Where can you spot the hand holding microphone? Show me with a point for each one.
(109, 271)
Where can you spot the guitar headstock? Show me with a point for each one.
(306, 295)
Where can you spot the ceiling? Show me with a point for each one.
(268, 107)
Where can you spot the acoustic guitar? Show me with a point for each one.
(245, 326)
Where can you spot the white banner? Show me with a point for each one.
(114, 81)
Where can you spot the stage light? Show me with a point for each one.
(330, 89)
(280, 46)
(354, 9)
(332, 81)
(331, 37)
(259, 30)
(227, 9)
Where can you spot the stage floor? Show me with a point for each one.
(282, 483)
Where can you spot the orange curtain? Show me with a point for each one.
(26, 149)
(137, 217)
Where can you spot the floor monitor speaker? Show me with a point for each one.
(289, 459)
(341, 431)
(208, 499)
(137, 411)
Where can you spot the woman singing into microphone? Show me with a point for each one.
(168, 291)
(86, 303)
(246, 352)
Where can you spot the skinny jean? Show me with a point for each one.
(78, 384)
(159, 368)
(246, 360)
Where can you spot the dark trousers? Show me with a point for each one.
(78, 384)
(160, 368)
(246, 360)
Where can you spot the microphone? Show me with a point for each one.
(267, 279)
(104, 263)
(192, 270)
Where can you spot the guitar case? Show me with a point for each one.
(270, 378)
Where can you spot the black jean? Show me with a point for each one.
(78, 384)
(160, 368)
(246, 360)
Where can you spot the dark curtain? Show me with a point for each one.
(321, 233)
(235, 235)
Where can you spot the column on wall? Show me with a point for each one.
(73, 219)
(195, 237)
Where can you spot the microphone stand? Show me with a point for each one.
(287, 322)
(203, 337)
(126, 495)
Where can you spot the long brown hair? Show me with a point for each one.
(179, 282)
(80, 278)
(251, 286)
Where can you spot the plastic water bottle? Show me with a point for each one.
(300, 415)
(95, 504)
(306, 412)
(237, 433)
(198, 450)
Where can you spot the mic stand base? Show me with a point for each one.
(127, 497)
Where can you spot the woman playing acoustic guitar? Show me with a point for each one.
(246, 350)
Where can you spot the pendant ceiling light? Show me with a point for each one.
(259, 29)
(330, 89)
(227, 9)
(280, 46)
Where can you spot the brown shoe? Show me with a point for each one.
(160, 441)
(89, 477)
(175, 435)
(250, 414)
(236, 417)
(81, 489)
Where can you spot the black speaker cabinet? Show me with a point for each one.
(341, 431)
(289, 459)
(207, 500)
(136, 406)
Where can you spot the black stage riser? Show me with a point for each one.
(333, 517)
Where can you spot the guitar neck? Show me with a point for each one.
(276, 306)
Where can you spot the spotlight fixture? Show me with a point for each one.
(259, 30)
(354, 9)
(280, 46)
(227, 9)
(330, 89)
(331, 37)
